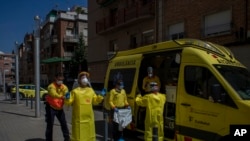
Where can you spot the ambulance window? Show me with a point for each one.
(238, 78)
(200, 82)
(127, 75)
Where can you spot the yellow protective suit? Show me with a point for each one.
(154, 104)
(118, 99)
(83, 126)
(147, 80)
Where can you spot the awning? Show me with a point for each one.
(55, 60)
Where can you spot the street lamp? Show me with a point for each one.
(4, 86)
(37, 65)
(17, 73)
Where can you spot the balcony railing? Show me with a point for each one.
(125, 16)
(68, 54)
(71, 38)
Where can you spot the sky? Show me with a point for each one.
(17, 18)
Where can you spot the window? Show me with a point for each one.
(200, 82)
(127, 75)
(238, 78)
(176, 31)
(113, 45)
(85, 32)
(218, 23)
(69, 32)
(148, 37)
(133, 42)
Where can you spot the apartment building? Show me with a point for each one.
(59, 35)
(116, 25)
(7, 68)
(26, 60)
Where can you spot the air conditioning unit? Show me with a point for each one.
(110, 54)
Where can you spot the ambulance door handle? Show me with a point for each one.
(185, 104)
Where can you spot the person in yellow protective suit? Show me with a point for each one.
(117, 100)
(154, 103)
(81, 99)
(150, 78)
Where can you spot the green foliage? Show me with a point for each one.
(79, 52)
(79, 10)
(79, 61)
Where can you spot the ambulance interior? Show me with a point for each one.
(166, 67)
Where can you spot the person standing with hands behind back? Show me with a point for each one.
(82, 98)
(154, 103)
(148, 79)
(54, 107)
(117, 100)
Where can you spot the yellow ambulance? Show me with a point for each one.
(207, 89)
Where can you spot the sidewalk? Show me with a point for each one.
(18, 122)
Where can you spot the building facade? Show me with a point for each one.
(116, 25)
(26, 60)
(7, 69)
(59, 36)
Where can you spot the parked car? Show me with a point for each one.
(28, 90)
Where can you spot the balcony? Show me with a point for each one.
(68, 55)
(71, 38)
(126, 16)
(53, 39)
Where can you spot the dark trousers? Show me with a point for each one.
(115, 128)
(49, 118)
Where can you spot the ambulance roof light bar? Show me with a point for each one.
(198, 43)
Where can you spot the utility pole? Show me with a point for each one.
(37, 65)
(17, 73)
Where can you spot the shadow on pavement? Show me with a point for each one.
(35, 139)
(16, 114)
(128, 134)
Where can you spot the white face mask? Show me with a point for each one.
(59, 82)
(150, 75)
(85, 81)
(154, 89)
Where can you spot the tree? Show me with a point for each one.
(79, 62)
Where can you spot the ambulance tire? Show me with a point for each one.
(225, 138)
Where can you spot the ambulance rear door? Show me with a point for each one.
(127, 69)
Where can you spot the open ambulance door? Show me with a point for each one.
(127, 69)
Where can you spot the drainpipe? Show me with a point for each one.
(159, 20)
(246, 19)
(156, 20)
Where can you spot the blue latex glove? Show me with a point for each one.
(67, 95)
(129, 107)
(103, 92)
(121, 139)
(116, 110)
